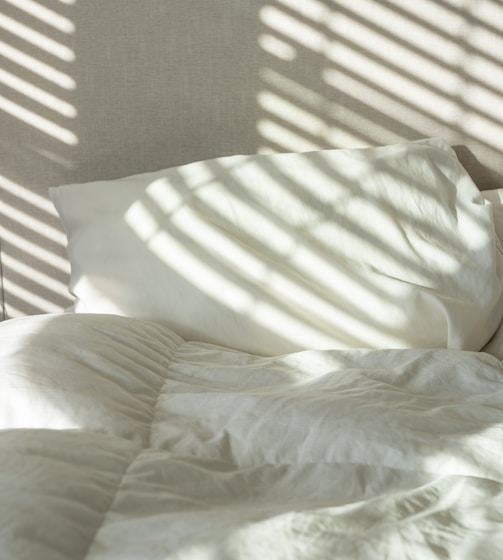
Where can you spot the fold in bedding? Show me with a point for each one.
(122, 441)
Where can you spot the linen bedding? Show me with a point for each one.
(340, 395)
(123, 441)
(387, 247)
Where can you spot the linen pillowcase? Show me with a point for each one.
(388, 247)
(495, 199)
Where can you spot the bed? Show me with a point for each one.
(251, 284)
(291, 355)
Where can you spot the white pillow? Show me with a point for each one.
(378, 247)
(495, 199)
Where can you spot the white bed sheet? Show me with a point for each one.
(122, 441)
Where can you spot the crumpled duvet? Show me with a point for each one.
(122, 441)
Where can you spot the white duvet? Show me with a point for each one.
(122, 441)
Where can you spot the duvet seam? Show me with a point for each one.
(112, 501)
(163, 382)
(143, 447)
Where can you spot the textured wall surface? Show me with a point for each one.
(93, 89)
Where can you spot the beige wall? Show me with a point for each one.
(104, 88)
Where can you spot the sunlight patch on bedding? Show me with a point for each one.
(210, 281)
(256, 209)
(244, 283)
(26, 413)
(205, 277)
(266, 210)
(367, 248)
(145, 226)
(312, 205)
(472, 458)
(261, 242)
(270, 281)
(229, 293)
(195, 175)
(165, 196)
